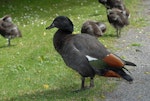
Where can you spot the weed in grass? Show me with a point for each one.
(136, 44)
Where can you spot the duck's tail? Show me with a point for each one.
(129, 63)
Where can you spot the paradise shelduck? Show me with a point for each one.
(117, 19)
(93, 28)
(85, 54)
(8, 29)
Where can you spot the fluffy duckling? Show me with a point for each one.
(117, 19)
(110, 4)
(93, 28)
(8, 29)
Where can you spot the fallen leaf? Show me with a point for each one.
(146, 72)
(45, 86)
(44, 33)
(103, 96)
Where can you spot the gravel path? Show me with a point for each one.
(134, 45)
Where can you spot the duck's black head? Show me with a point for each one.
(63, 23)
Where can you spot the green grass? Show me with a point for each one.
(136, 44)
(31, 70)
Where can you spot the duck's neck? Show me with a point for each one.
(59, 39)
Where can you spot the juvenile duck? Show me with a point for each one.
(119, 4)
(8, 29)
(93, 28)
(117, 19)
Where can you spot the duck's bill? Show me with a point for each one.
(51, 26)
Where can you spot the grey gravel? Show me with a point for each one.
(134, 45)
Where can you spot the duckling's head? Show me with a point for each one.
(7, 18)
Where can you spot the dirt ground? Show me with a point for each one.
(134, 45)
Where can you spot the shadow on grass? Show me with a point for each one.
(94, 14)
(6, 46)
(110, 35)
(50, 95)
(66, 93)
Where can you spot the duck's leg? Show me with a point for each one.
(119, 32)
(91, 82)
(82, 82)
(8, 41)
(82, 85)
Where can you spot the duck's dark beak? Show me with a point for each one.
(51, 26)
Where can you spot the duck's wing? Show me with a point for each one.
(89, 45)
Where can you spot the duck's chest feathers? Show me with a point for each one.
(59, 39)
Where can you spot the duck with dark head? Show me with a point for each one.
(85, 54)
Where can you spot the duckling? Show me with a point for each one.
(8, 29)
(117, 19)
(93, 28)
(85, 54)
(110, 4)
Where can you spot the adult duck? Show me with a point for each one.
(85, 54)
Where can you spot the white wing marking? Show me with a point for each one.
(90, 58)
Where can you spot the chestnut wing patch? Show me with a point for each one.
(113, 61)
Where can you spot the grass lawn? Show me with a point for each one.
(31, 69)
